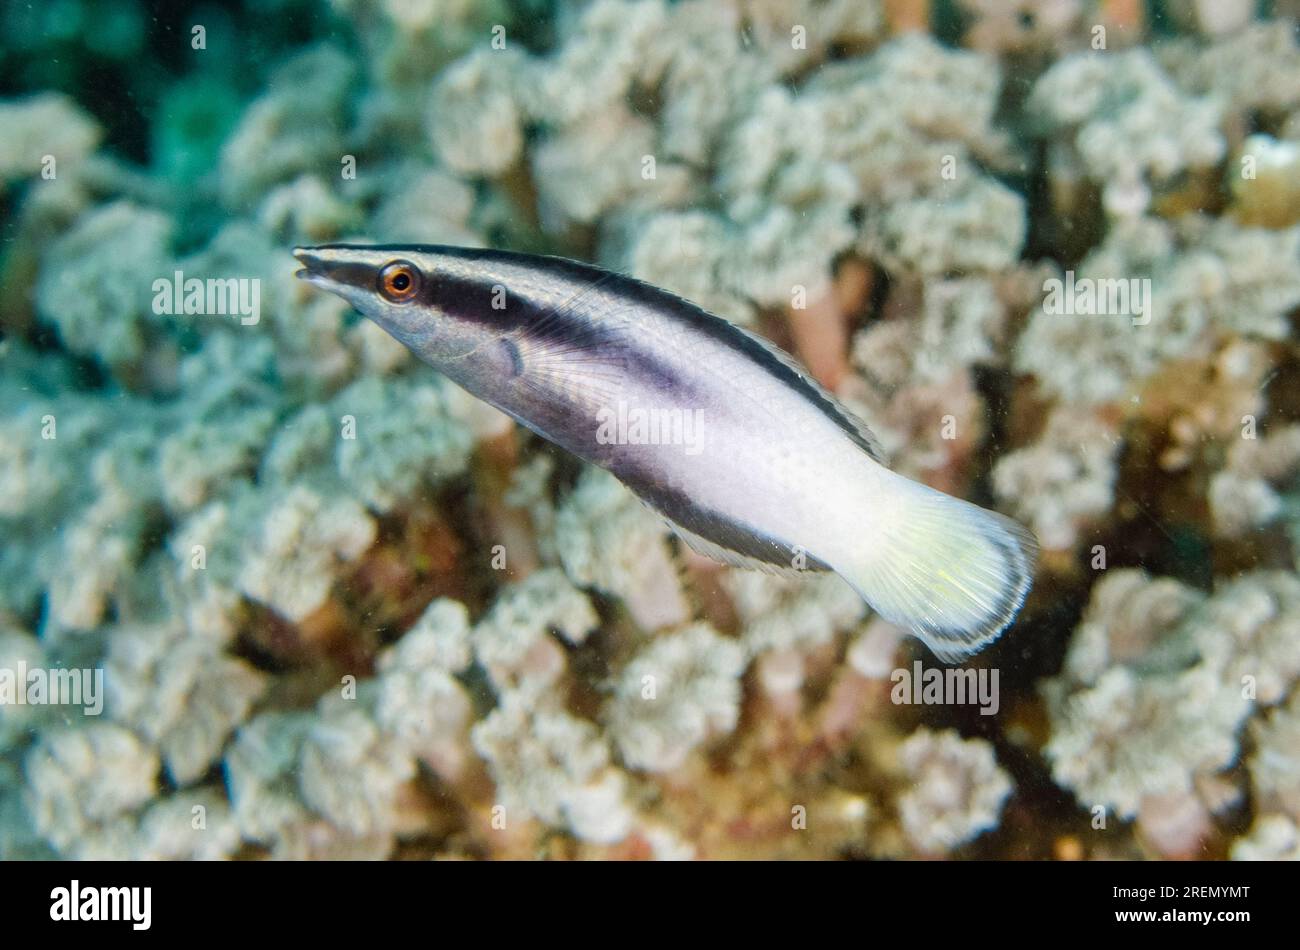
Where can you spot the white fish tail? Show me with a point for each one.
(951, 572)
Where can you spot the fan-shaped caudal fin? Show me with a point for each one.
(951, 572)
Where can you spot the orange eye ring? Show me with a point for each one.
(399, 281)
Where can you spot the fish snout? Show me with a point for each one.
(339, 270)
(313, 264)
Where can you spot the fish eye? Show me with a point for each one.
(399, 281)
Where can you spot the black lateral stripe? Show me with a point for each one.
(678, 308)
(728, 334)
(713, 527)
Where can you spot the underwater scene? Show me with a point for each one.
(634, 429)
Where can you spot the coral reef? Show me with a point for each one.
(957, 789)
(673, 695)
(1158, 685)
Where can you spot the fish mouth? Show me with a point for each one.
(346, 271)
(315, 268)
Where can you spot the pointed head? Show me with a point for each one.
(374, 280)
(418, 294)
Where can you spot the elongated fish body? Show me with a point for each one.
(717, 430)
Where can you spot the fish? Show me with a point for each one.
(717, 430)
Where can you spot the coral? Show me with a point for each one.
(872, 653)
(419, 700)
(474, 122)
(911, 384)
(296, 542)
(549, 764)
(408, 43)
(204, 453)
(673, 695)
(1064, 481)
(32, 475)
(1207, 279)
(80, 779)
(179, 692)
(332, 783)
(1243, 496)
(18, 650)
(897, 117)
(529, 489)
(778, 613)
(421, 204)
(608, 540)
(962, 324)
(605, 162)
(1246, 632)
(348, 771)
(1255, 69)
(707, 76)
(18, 839)
(307, 346)
(306, 210)
(295, 127)
(789, 247)
(957, 789)
(1129, 738)
(187, 826)
(439, 639)
(1273, 771)
(104, 478)
(1205, 402)
(1128, 615)
(513, 643)
(600, 60)
(688, 253)
(792, 205)
(1276, 787)
(195, 116)
(106, 535)
(1158, 683)
(260, 775)
(1128, 124)
(48, 124)
(1211, 19)
(1273, 838)
(194, 825)
(975, 225)
(851, 23)
(95, 285)
(405, 433)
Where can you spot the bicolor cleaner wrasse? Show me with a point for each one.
(747, 458)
